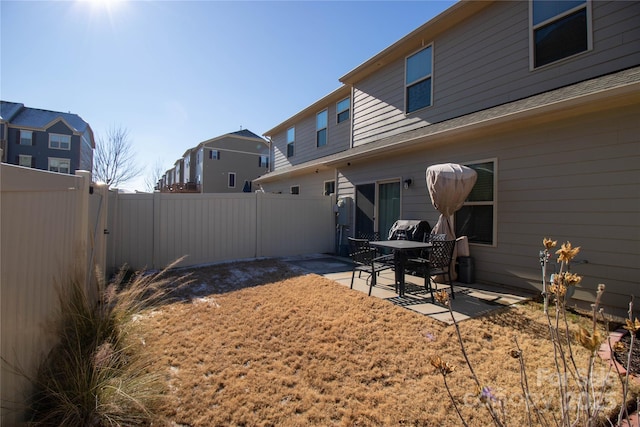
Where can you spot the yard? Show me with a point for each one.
(257, 344)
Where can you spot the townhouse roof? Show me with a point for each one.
(335, 96)
(421, 36)
(19, 115)
(245, 133)
(604, 92)
(9, 109)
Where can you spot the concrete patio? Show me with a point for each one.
(471, 300)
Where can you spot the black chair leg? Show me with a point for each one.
(427, 286)
(373, 282)
(353, 275)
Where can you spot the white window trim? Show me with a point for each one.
(326, 128)
(235, 180)
(59, 160)
(532, 28)
(59, 148)
(343, 110)
(291, 142)
(494, 203)
(266, 158)
(22, 157)
(430, 45)
(213, 156)
(324, 186)
(20, 137)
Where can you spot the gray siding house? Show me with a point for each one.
(43, 139)
(297, 145)
(225, 164)
(541, 98)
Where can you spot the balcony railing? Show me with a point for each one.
(189, 187)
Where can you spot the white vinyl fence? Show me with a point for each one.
(47, 225)
(55, 226)
(153, 230)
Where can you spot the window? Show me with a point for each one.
(560, 29)
(476, 217)
(291, 139)
(321, 129)
(214, 155)
(295, 189)
(342, 110)
(418, 80)
(232, 180)
(60, 142)
(329, 187)
(59, 165)
(24, 160)
(26, 137)
(263, 162)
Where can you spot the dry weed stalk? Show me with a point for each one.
(99, 373)
(586, 408)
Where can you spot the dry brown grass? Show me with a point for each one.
(258, 344)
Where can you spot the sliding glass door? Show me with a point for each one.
(377, 208)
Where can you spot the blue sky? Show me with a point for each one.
(176, 73)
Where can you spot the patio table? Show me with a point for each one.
(400, 249)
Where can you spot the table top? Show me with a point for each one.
(400, 244)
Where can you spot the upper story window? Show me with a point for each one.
(59, 165)
(560, 29)
(232, 180)
(342, 110)
(263, 161)
(295, 189)
(321, 128)
(418, 79)
(291, 139)
(60, 142)
(476, 218)
(214, 154)
(26, 137)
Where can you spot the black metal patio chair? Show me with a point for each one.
(365, 259)
(435, 261)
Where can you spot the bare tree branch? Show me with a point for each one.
(154, 174)
(114, 160)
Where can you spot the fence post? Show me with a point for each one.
(259, 201)
(156, 259)
(83, 226)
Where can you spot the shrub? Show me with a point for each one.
(98, 373)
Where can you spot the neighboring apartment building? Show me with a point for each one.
(43, 139)
(541, 98)
(225, 164)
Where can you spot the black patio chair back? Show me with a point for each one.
(434, 261)
(370, 236)
(441, 260)
(365, 259)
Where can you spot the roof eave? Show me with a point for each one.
(422, 36)
(335, 96)
(617, 97)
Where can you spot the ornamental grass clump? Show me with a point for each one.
(98, 373)
(580, 398)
